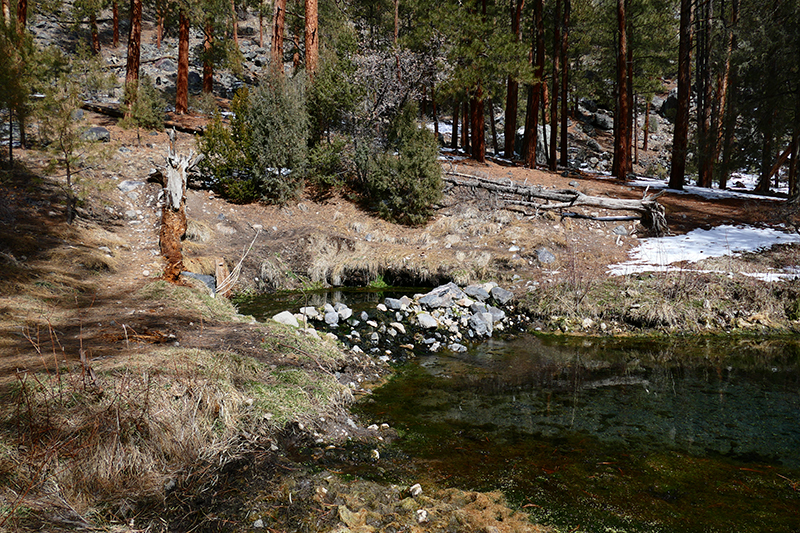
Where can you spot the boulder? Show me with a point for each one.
(426, 321)
(602, 121)
(287, 318)
(96, 134)
(502, 296)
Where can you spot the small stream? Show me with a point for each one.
(603, 434)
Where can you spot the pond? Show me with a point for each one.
(608, 435)
(595, 434)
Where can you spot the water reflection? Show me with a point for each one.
(629, 423)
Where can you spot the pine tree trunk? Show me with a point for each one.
(553, 159)
(564, 82)
(435, 114)
(495, 146)
(454, 133)
(95, 33)
(635, 131)
(723, 88)
(465, 126)
(512, 87)
(680, 139)
(160, 16)
(646, 125)
(134, 49)
(208, 69)
(22, 15)
(535, 90)
(478, 126)
(705, 148)
(234, 23)
(115, 24)
(182, 83)
(278, 29)
(312, 38)
(622, 121)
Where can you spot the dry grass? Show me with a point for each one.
(678, 301)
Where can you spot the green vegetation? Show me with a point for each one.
(405, 181)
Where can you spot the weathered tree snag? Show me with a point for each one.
(652, 213)
(173, 215)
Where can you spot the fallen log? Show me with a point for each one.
(652, 213)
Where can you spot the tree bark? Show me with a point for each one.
(495, 146)
(705, 148)
(622, 165)
(512, 87)
(723, 100)
(161, 15)
(553, 159)
(234, 23)
(646, 125)
(173, 215)
(95, 34)
(454, 133)
(182, 83)
(208, 69)
(311, 38)
(680, 138)
(134, 49)
(278, 29)
(22, 15)
(478, 126)
(465, 126)
(535, 90)
(115, 24)
(564, 81)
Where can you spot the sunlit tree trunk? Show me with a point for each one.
(564, 81)
(134, 49)
(208, 69)
(311, 38)
(234, 23)
(493, 127)
(182, 83)
(680, 139)
(115, 24)
(512, 87)
(95, 33)
(622, 163)
(278, 30)
(553, 159)
(465, 125)
(705, 144)
(646, 125)
(454, 134)
(161, 15)
(22, 15)
(535, 90)
(478, 126)
(724, 82)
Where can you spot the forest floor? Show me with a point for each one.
(86, 289)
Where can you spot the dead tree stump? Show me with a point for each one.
(173, 215)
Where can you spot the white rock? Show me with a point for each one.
(422, 516)
(415, 490)
(287, 318)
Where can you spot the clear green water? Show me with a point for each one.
(609, 435)
(595, 435)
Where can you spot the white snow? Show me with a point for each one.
(662, 253)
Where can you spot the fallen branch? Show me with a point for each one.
(651, 212)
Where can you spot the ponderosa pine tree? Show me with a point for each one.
(134, 51)
(680, 139)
